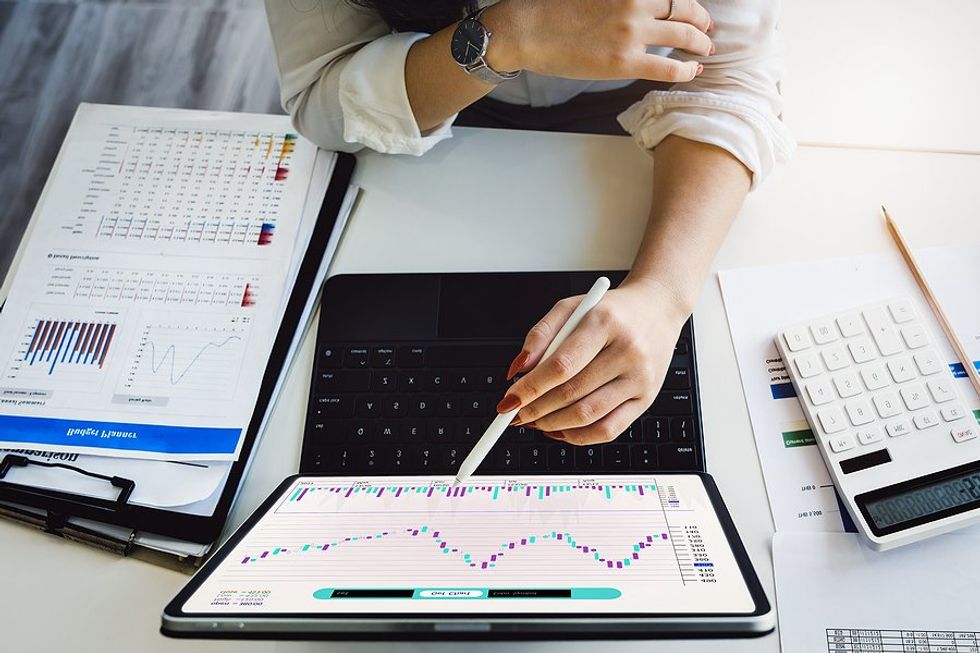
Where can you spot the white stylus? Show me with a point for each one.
(503, 420)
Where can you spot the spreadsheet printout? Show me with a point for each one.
(152, 283)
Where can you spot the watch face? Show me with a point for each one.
(469, 39)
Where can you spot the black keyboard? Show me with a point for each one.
(419, 407)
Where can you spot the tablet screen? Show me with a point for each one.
(530, 545)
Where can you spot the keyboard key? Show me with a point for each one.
(383, 357)
(505, 458)
(850, 325)
(441, 431)
(356, 357)
(335, 406)
(807, 365)
(655, 429)
(925, 420)
(368, 407)
(847, 384)
(633, 433)
(962, 434)
(681, 429)
(447, 406)
(387, 431)
(676, 456)
(359, 431)
(914, 396)
(409, 381)
(616, 456)
(941, 390)
(383, 381)
(343, 381)
(673, 403)
(498, 356)
(331, 358)
(422, 406)
(874, 377)
(797, 338)
(862, 349)
(823, 332)
(371, 459)
(682, 347)
(901, 311)
(471, 429)
(426, 459)
(887, 404)
(452, 457)
(336, 458)
(412, 431)
(643, 456)
(436, 380)
(399, 461)
(859, 412)
(678, 378)
(914, 336)
(952, 413)
(898, 428)
(533, 457)
(476, 405)
(819, 391)
(869, 435)
(841, 443)
(560, 457)
(489, 380)
(396, 406)
(588, 457)
(882, 331)
(831, 419)
(462, 381)
(901, 369)
(928, 362)
(410, 357)
(834, 358)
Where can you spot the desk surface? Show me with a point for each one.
(824, 204)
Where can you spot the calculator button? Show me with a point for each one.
(914, 336)
(874, 377)
(847, 384)
(834, 358)
(841, 443)
(862, 350)
(869, 435)
(882, 331)
(859, 412)
(901, 369)
(952, 413)
(807, 365)
(914, 396)
(832, 419)
(850, 325)
(823, 332)
(925, 420)
(963, 434)
(797, 339)
(901, 311)
(887, 404)
(820, 392)
(941, 390)
(899, 428)
(927, 362)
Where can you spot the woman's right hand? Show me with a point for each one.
(585, 39)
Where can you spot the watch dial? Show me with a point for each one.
(468, 41)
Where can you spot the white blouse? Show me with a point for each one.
(342, 79)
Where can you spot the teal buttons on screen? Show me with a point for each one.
(470, 593)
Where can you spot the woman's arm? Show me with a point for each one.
(611, 368)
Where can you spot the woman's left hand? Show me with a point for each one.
(608, 370)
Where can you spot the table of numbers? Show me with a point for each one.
(900, 641)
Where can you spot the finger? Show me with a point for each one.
(680, 36)
(608, 428)
(662, 69)
(685, 11)
(604, 368)
(541, 335)
(590, 409)
(569, 359)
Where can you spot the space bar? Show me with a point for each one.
(470, 355)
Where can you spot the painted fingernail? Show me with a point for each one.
(508, 403)
(531, 425)
(698, 71)
(518, 364)
(516, 421)
(554, 435)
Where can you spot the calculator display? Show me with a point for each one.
(918, 502)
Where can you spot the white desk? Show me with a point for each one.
(59, 595)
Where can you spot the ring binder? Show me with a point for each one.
(125, 485)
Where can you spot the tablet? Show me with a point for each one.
(535, 556)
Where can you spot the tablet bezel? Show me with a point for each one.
(292, 625)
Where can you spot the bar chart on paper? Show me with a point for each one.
(620, 542)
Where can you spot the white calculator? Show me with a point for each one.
(901, 445)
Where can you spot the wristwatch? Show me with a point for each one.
(469, 45)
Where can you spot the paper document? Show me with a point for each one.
(148, 296)
(759, 301)
(836, 594)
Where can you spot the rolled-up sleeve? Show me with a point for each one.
(342, 78)
(735, 103)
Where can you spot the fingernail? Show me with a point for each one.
(518, 364)
(554, 435)
(516, 421)
(531, 425)
(698, 71)
(712, 50)
(711, 25)
(508, 403)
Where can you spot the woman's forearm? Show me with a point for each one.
(697, 191)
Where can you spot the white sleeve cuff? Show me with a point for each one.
(753, 135)
(375, 103)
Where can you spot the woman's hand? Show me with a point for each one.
(608, 370)
(585, 39)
